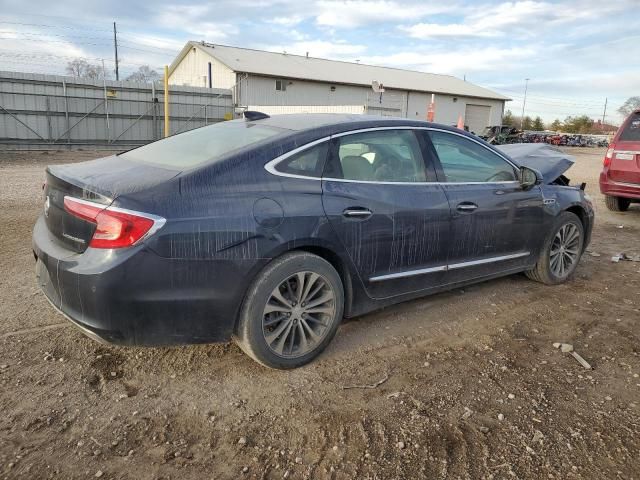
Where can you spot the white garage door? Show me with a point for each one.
(476, 117)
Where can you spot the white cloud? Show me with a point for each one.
(194, 18)
(427, 30)
(288, 21)
(322, 49)
(357, 13)
(33, 50)
(527, 17)
(456, 62)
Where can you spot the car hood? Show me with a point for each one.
(549, 161)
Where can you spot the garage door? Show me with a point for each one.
(476, 117)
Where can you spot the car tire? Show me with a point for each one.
(550, 268)
(617, 204)
(272, 323)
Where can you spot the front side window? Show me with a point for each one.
(464, 160)
(201, 145)
(308, 163)
(379, 156)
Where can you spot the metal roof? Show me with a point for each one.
(332, 71)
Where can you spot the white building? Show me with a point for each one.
(284, 83)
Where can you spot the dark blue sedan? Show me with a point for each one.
(270, 230)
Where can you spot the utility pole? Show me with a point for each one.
(526, 83)
(604, 114)
(167, 129)
(106, 103)
(115, 47)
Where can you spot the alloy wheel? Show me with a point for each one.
(298, 314)
(564, 250)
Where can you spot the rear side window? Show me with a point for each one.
(378, 156)
(308, 163)
(464, 160)
(201, 145)
(631, 132)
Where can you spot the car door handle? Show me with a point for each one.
(466, 207)
(357, 212)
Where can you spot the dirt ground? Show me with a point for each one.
(473, 387)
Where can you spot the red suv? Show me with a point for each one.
(620, 177)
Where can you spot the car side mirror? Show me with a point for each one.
(529, 178)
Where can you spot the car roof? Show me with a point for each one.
(335, 122)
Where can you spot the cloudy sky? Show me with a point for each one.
(575, 52)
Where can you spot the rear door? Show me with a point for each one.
(495, 224)
(625, 159)
(384, 205)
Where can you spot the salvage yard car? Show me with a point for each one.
(270, 230)
(620, 177)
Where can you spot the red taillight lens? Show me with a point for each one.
(115, 228)
(609, 155)
(118, 229)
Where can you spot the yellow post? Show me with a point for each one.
(166, 101)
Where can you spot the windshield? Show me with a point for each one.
(206, 144)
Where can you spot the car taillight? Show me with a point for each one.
(115, 227)
(609, 155)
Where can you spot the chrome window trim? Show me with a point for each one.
(158, 222)
(444, 268)
(418, 183)
(271, 165)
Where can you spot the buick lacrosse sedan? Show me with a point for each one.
(270, 230)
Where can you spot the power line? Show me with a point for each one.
(56, 26)
(52, 41)
(156, 50)
(27, 58)
(31, 34)
(560, 100)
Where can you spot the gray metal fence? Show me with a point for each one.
(52, 112)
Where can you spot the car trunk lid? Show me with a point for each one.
(99, 181)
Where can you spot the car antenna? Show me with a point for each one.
(253, 115)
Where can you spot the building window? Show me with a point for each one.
(281, 85)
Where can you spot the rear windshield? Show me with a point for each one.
(631, 132)
(206, 144)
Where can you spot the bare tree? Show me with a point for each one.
(629, 106)
(144, 74)
(80, 68)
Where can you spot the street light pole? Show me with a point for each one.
(526, 83)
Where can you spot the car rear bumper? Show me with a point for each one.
(619, 189)
(134, 297)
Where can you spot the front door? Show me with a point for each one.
(495, 224)
(391, 221)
